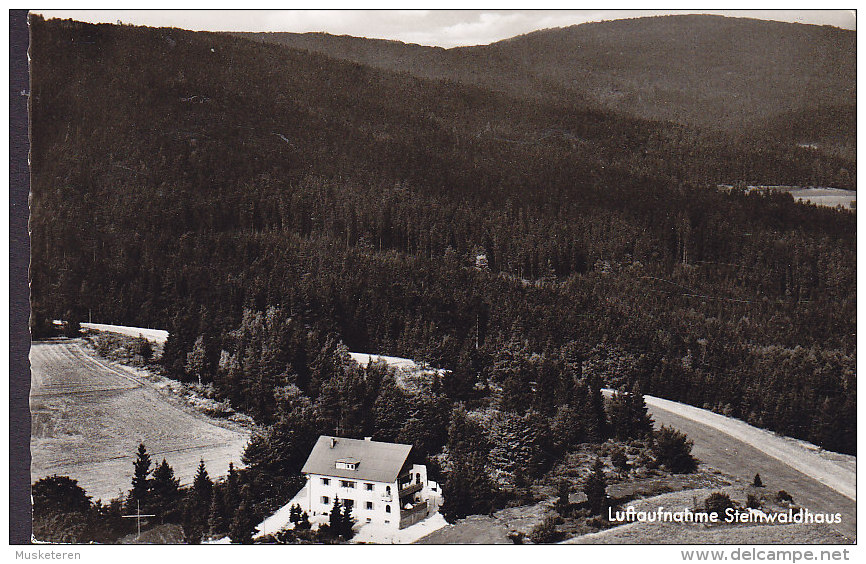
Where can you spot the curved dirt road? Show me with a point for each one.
(740, 450)
(88, 417)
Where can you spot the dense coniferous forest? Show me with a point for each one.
(275, 208)
(728, 74)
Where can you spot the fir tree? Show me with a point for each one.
(243, 525)
(196, 359)
(202, 485)
(198, 501)
(468, 489)
(596, 488)
(217, 525)
(143, 348)
(335, 518)
(192, 522)
(628, 416)
(304, 522)
(165, 490)
(346, 522)
(232, 492)
(389, 411)
(72, 327)
(138, 496)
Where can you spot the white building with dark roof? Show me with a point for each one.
(374, 478)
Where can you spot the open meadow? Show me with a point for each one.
(88, 417)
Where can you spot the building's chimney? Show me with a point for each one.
(333, 442)
(368, 438)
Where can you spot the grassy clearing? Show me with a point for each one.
(91, 415)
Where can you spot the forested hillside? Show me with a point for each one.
(722, 73)
(264, 203)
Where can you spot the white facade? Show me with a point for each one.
(371, 502)
(378, 503)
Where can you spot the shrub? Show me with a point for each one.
(303, 523)
(516, 537)
(718, 502)
(143, 348)
(59, 528)
(596, 489)
(753, 501)
(59, 494)
(784, 496)
(545, 532)
(563, 491)
(72, 328)
(619, 460)
(673, 450)
(757, 482)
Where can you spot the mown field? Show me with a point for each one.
(736, 458)
(730, 456)
(88, 418)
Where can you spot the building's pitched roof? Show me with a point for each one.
(377, 461)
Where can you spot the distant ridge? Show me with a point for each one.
(704, 70)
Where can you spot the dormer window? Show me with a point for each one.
(347, 464)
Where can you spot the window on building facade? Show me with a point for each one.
(387, 509)
(369, 505)
(369, 487)
(349, 503)
(326, 481)
(347, 484)
(325, 500)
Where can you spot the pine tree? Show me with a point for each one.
(199, 500)
(195, 359)
(217, 525)
(566, 428)
(304, 522)
(192, 522)
(165, 491)
(202, 485)
(232, 492)
(596, 488)
(138, 496)
(346, 523)
(628, 416)
(335, 518)
(389, 411)
(243, 526)
(468, 488)
(72, 328)
(597, 426)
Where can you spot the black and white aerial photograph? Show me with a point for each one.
(444, 277)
